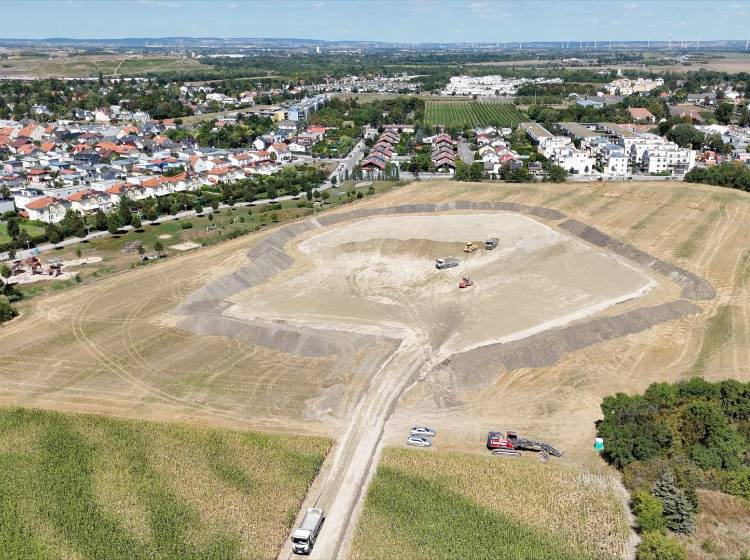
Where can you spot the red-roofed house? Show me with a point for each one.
(47, 209)
(88, 201)
(641, 114)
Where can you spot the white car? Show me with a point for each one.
(423, 431)
(419, 442)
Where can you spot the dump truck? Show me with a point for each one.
(491, 243)
(303, 538)
(449, 262)
(512, 441)
(470, 247)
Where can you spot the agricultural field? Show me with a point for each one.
(471, 113)
(64, 65)
(442, 506)
(77, 486)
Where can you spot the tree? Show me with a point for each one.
(123, 210)
(649, 512)
(4, 271)
(136, 222)
(677, 509)
(100, 220)
(476, 171)
(7, 311)
(13, 228)
(686, 136)
(113, 222)
(657, 546)
(723, 113)
(158, 247)
(557, 174)
(5, 192)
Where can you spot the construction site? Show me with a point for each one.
(347, 325)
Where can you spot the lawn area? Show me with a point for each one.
(90, 487)
(472, 113)
(32, 229)
(442, 506)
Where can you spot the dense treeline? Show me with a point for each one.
(157, 97)
(399, 110)
(735, 175)
(670, 441)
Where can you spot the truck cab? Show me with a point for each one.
(491, 243)
(303, 538)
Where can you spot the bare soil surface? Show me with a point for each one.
(180, 340)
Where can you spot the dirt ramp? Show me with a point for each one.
(477, 368)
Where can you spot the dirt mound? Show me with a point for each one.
(479, 367)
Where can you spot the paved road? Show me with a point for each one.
(465, 152)
(46, 247)
(350, 161)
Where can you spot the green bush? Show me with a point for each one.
(649, 512)
(186, 225)
(656, 546)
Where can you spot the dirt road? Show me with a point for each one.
(356, 451)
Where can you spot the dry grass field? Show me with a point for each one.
(64, 65)
(507, 509)
(78, 486)
(114, 347)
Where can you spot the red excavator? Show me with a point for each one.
(510, 443)
(465, 282)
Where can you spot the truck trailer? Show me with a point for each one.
(303, 538)
(450, 262)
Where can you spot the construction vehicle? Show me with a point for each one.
(511, 441)
(470, 247)
(303, 538)
(491, 243)
(465, 282)
(450, 262)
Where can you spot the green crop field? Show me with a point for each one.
(90, 487)
(470, 113)
(441, 506)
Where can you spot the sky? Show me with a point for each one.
(431, 21)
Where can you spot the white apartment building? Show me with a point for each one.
(612, 160)
(626, 86)
(574, 160)
(668, 158)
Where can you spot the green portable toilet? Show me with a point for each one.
(599, 444)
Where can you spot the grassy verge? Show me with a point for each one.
(444, 506)
(78, 486)
(226, 223)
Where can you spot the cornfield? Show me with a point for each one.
(470, 113)
(441, 506)
(89, 487)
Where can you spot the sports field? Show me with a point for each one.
(472, 113)
(90, 487)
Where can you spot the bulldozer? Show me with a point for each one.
(465, 282)
(470, 247)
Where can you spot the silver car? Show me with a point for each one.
(423, 431)
(419, 441)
